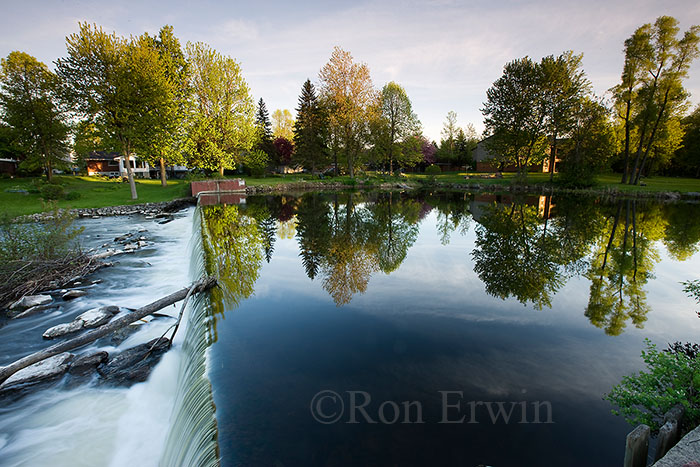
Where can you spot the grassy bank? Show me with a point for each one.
(21, 196)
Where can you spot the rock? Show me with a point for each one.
(94, 318)
(133, 365)
(131, 246)
(71, 294)
(29, 301)
(97, 281)
(87, 363)
(33, 310)
(693, 194)
(63, 329)
(166, 221)
(120, 335)
(142, 243)
(47, 369)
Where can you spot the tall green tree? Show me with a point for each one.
(117, 84)
(449, 134)
(515, 115)
(263, 128)
(658, 97)
(348, 94)
(165, 141)
(564, 85)
(310, 129)
(687, 158)
(28, 96)
(221, 125)
(397, 121)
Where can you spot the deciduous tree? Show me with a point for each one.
(346, 88)
(221, 125)
(283, 124)
(397, 123)
(29, 106)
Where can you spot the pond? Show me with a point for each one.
(438, 328)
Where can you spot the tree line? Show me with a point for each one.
(149, 97)
(546, 111)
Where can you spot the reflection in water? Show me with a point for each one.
(526, 247)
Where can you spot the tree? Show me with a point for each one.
(164, 142)
(310, 128)
(592, 142)
(515, 115)
(263, 128)
(221, 126)
(398, 122)
(687, 158)
(428, 149)
(116, 84)
(637, 56)
(86, 140)
(282, 124)
(28, 95)
(284, 149)
(465, 143)
(347, 91)
(450, 130)
(563, 86)
(658, 96)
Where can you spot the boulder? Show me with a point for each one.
(29, 301)
(33, 310)
(50, 368)
(87, 363)
(133, 365)
(97, 316)
(71, 294)
(63, 329)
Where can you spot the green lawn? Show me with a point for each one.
(96, 192)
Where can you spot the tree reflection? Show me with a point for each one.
(622, 264)
(233, 254)
(515, 254)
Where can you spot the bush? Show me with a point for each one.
(672, 377)
(52, 192)
(71, 195)
(433, 169)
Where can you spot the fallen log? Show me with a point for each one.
(91, 336)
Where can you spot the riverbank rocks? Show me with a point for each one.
(87, 363)
(30, 301)
(90, 319)
(32, 311)
(45, 370)
(133, 365)
(72, 294)
(144, 209)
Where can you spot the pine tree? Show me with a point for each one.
(309, 129)
(264, 127)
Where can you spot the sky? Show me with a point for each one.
(445, 53)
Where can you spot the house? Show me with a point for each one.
(8, 166)
(485, 162)
(113, 164)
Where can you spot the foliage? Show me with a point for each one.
(670, 378)
(515, 116)
(284, 149)
(221, 125)
(348, 94)
(310, 129)
(428, 149)
(282, 124)
(687, 157)
(396, 125)
(591, 145)
(263, 129)
(692, 288)
(433, 169)
(30, 107)
(51, 192)
(256, 161)
(651, 96)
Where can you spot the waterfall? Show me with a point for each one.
(192, 438)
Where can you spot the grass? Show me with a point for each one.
(97, 192)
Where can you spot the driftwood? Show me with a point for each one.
(90, 336)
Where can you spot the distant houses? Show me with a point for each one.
(113, 164)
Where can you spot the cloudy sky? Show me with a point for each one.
(446, 53)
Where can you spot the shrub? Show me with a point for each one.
(52, 192)
(71, 195)
(671, 377)
(433, 169)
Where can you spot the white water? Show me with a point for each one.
(98, 426)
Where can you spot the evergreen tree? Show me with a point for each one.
(263, 127)
(309, 129)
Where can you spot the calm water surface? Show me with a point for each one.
(434, 308)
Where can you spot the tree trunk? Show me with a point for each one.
(91, 336)
(626, 169)
(163, 181)
(221, 171)
(653, 134)
(130, 173)
(552, 157)
(49, 171)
